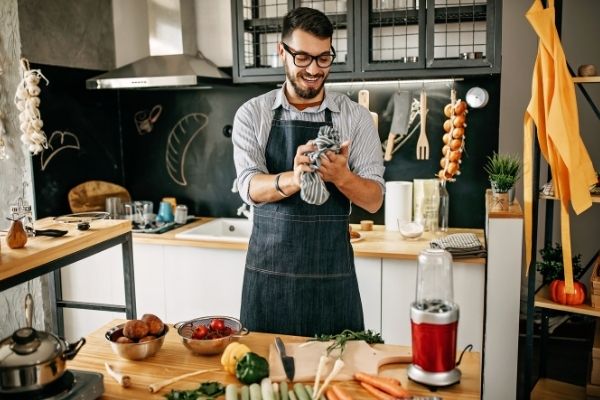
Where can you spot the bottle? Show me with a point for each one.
(444, 208)
(431, 210)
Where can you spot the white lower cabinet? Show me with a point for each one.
(95, 279)
(368, 273)
(398, 289)
(149, 277)
(200, 282)
(178, 283)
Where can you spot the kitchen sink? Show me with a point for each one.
(220, 230)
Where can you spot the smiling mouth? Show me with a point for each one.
(311, 79)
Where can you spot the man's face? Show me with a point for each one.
(306, 82)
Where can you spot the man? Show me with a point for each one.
(300, 276)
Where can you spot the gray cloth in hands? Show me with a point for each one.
(312, 187)
(460, 245)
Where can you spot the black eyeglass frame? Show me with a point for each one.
(313, 58)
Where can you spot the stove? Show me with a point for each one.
(73, 385)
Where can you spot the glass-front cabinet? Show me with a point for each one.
(376, 39)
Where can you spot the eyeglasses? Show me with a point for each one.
(303, 60)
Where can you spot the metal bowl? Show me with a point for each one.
(411, 230)
(134, 351)
(209, 346)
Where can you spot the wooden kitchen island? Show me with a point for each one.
(173, 359)
(44, 254)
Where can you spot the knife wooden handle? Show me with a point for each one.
(389, 147)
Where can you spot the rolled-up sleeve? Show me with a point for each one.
(366, 156)
(248, 153)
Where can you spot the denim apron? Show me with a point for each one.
(299, 277)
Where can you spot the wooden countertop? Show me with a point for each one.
(43, 249)
(377, 243)
(173, 359)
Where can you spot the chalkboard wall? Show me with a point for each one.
(84, 142)
(160, 143)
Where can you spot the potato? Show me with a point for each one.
(155, 325)
(124, 339)
(135, 329)
(146, 339)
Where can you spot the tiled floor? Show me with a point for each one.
(567, 355)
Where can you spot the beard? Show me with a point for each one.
(307, 93)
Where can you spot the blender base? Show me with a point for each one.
(433, 379)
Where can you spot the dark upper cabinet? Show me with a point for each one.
(376, 39)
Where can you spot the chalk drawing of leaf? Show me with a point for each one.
(58, 142)
(178, 143)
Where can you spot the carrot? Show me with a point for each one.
(392, 381)
(381, 384)
(376, 392)
(341, 393)
(330, 394)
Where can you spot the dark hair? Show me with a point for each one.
(309, 20)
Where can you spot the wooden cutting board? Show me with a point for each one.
(91, 195)
(358, 356)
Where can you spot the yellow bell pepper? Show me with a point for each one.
(232, 354)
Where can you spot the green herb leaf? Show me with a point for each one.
(342, 338)
(206, 391)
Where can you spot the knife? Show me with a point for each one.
(287, 361)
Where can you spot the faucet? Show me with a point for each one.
(245, 209)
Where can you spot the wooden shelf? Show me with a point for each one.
(550, 389)
(542, 299)
(595, 198)
(586, 79)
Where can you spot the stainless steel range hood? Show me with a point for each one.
(174, 59)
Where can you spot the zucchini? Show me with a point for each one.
(245, 392)
(266, 389)
(255, 392)
(231, 392)
(300, 391)
(283, 391)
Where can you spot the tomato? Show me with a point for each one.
(217, 324)
(559, 295)
(200, 332)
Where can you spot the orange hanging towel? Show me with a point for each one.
(553, 110)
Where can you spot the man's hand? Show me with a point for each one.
(334, 167)
(302, 161)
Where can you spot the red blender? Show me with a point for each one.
(434, 322)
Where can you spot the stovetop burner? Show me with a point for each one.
(80, 385)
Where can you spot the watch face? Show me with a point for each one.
(477, 97)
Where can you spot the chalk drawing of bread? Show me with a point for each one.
(178, 143)
(58, 142)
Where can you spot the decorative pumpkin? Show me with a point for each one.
(559, 295)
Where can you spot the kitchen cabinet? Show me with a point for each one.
(368, 273)
(398, 288)
(179, 281)
(378, 39)
(202, 281)
(149, 279)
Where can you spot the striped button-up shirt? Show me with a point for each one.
(252, 125)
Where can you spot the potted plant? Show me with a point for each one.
(551, 268)
(503, 172)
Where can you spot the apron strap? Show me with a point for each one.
(277, 113)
